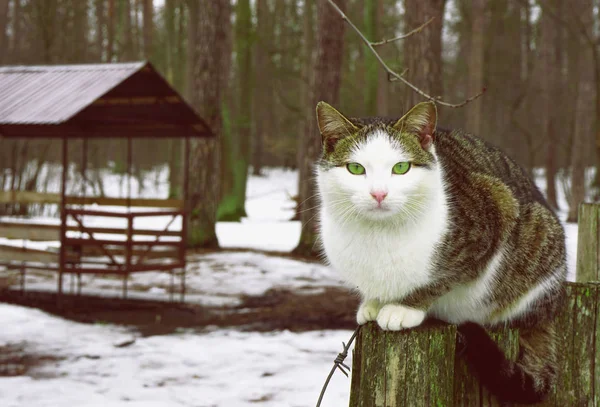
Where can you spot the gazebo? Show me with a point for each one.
(99, 101)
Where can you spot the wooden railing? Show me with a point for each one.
(419, 367)
(125, 255)
(44, 232)
(27, 197)
(119, 250)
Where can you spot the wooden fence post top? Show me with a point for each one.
(588, 248)
(393, 368)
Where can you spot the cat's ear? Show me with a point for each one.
(333, 125)
(420, 120)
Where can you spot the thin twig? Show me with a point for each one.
(403, 36)
(395, 75)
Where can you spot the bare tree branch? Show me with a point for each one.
(403, 36)
(392, 75)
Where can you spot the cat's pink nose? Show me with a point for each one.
(379, 196)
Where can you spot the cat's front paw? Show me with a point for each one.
(394, 317)
(367, 311)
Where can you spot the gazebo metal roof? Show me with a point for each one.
(118, 100)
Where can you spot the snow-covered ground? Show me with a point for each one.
(269, 206)
(220, 368)
(212, 368)
(209, 368)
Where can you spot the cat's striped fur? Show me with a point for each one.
(466, 237)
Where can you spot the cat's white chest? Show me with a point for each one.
(381, 262)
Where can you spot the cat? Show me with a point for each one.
(425, 222)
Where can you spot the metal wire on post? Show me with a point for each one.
(338, 363)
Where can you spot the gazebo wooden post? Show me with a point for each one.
(84, 163)
(129, 238)
(63, 215)
(186, 210)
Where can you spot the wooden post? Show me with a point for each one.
(405, 368)
(588, 251)
(63, 217)
(185, 218)
(419, 367)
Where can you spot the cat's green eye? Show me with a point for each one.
(355, 168)
(401, 168)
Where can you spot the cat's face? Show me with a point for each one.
(380, 180)
(376, 171)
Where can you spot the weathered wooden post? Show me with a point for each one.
(588, 249)
(394, 368)
(420, 368)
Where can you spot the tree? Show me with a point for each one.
(476, 66)
(45, 14)
(80, 31)
(99, 31)
(236, 143)
(209, 51)
(371, 66)
(584, 109)
(110, 31)
(129, 52)
(325, 86)
(3, 25)
(382, 78)
(423, 52)
(148, 27)
(549, 83)
(262, 79)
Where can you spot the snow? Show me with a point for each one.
(209, 367)
(269, 206)
(219, 368)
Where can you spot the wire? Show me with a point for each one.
(338, 363)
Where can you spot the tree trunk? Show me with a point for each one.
(476, 66)
(170, 51)
(110, 30)
(148, 28)
(3, 25)
(584, 111)
(236, 143)
(100, 23)
(383, 84)
(129, 53)
(596, 61)
(209, 62)
(80, 28)
(308, 53)
(179, 80)
(371, 64)
(423, 51)
(261, 92)
(45, 16)
(326, 87)
(548, 75)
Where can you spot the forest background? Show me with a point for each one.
(254, 70)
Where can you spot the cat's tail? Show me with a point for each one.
(527, 380)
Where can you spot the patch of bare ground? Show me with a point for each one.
(277, 309)
(310, 258)
(17, 360)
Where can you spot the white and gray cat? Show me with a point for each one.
(425, 222)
